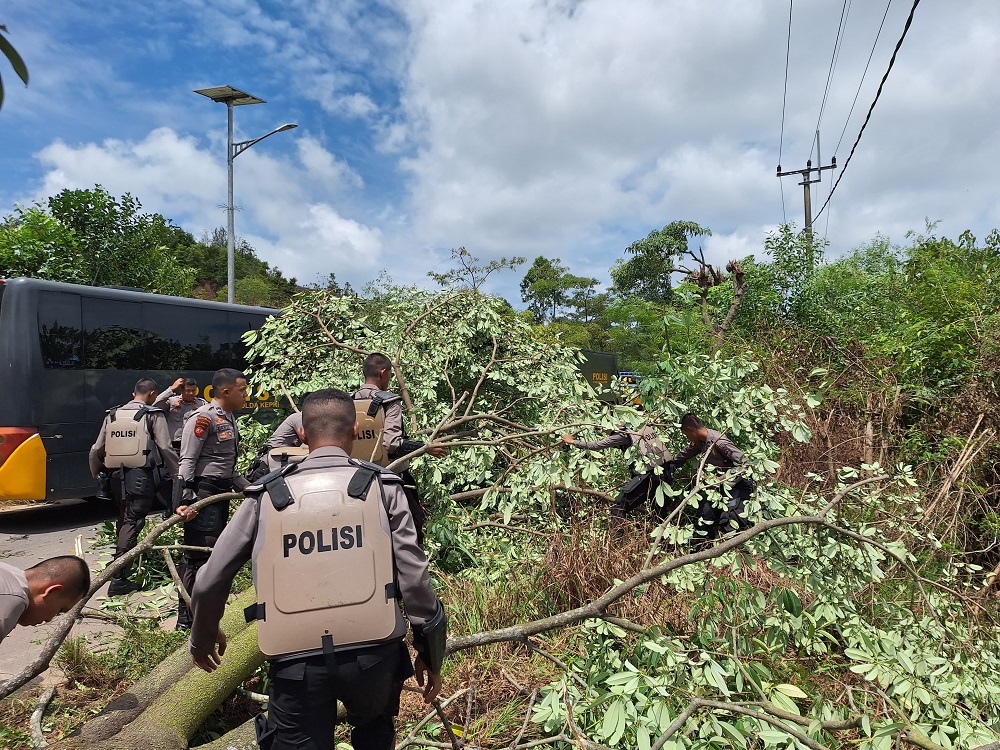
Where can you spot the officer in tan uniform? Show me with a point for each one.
(288, 434)
(723, 454)
(209, 446)
(378, 373)
(134, 445)
(178, 402)
(334, 551)
(649, 470)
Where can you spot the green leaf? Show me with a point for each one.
(15, 59)
(791, 691)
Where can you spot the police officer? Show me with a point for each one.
(288, 434)
(208, 467)
(323, 535)
(723, 454)
(377, 370)
(134, 445)
(178, 402)
(649, 470)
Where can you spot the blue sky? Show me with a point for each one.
(565, 128)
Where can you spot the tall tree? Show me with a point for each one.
(647, 273)
(468, 274)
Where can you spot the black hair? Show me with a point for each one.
(690, 422)
(226, 378)
(189, 382)
(69, 570)
(144, 386)
(328, 414)
(374, 364)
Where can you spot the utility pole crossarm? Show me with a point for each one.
(806, 182)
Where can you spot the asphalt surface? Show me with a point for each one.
(30, 535)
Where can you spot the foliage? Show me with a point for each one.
(548, 286)
(647, 273)
(15, 60)
(468, 274)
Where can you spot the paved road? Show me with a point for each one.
(33, 534)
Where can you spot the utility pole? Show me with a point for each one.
(806, 182)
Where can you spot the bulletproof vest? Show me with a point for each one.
(128, 443)
(286, 455)
(369, 446)
(652, 451)
(325, 567)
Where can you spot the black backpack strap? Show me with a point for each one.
(275, 486)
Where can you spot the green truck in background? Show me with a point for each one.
(600, 370)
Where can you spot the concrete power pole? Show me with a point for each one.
(806, 182)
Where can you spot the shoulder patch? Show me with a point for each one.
(201, 425)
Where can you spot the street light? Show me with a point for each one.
(233, 97)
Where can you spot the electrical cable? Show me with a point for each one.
(838, 43)
(868, 117)
(863, 75)
(784, 98)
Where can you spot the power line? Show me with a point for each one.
(892, 60)
(838, 42)
(863, 75)
(784, 98)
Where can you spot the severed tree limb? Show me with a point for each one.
(65, 623)
(37, 735)
(181, 589)
(411, 737)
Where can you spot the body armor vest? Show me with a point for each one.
(128, 443)
(286, 455)
(369, 446)
(652, 451)
(326, 568)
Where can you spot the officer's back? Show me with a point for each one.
(334, 548)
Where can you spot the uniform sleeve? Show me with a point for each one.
(196, 429)
(419, 598)
(728, 450)
(286, 434)
(11, 609)
(687, 452)
(161, 436)
(615, 440)
(215, 580)
(163, 396)
(392, 431)
(96, 458)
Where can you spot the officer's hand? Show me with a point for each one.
(177, 384)
(186, 513)
(433, 687)
(210, 662)
(437, 451)
(568, 439)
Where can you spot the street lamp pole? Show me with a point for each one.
(233, 98)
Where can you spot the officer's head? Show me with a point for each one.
(693, 429)
(229, 388)
(378, 370)
(145, 391)
(54, 586)
(329, 418)
(190, 392)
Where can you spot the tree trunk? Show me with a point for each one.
(164, 709)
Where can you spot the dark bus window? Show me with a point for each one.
(59, 330)
(113, 335)
(240, 323)
(186, 338)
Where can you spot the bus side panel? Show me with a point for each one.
(59, 396)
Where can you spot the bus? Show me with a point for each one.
(68, 353)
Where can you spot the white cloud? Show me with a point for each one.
(175, 176)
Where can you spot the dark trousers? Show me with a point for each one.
(203, 531)
(713, 521)
(132, 512)
(413, 500)
(640, 490)
(302, 706)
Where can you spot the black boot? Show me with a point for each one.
(123, 587)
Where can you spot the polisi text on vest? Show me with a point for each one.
(127, 432)
(346, 537)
